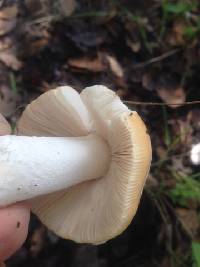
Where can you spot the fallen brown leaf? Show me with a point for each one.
(114, 66)
(161, 152)
(6, 26)
(38, 7)
(135, 46)
(172, 96)
(85, 63)
(36, 37)
(189, 220)
(9, 12)
(9, 58)
(177, 163)
(8, 19)
(182, 128)
(148, 82)
(5, 43)
(67, 7)
(38, 45)
(193, 119)
(152, 181)
(176, 36)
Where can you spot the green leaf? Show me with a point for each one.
(186, 188)
(13, 83)
(196, 253)
(191, 32)
(178, 8)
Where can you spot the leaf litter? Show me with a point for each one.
(146, 52)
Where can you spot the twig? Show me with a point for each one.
(161, 104)
(156, 59)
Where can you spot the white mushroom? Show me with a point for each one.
(82, 160)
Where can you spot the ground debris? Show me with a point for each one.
(114, 66)
(8, 24)
(189, 220)
(8, 101)
(8, 19)
(172, 96)
(9, 13)
(67, 7)
(37, 241)
(9, 58)
(90, 64)
(146, 51)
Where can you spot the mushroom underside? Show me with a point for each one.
(97, 210)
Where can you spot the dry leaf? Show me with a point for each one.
(8, 19)
(6, 26)
(5, 43)
(38, 7)
(152, 181)
(182, 128)
(134, 46)
(38, 45)
(36, 37)
(193, 119)
(176, 36)
(177, 163)
(172, 96)
(9, 13)
(161, 152)
(189, 220)
(85, 63)
(10, 60)
(148, 82)
(67, 7)
(115, 66)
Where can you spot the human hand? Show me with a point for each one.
(14, 219)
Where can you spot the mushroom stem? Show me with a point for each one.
(32, 166)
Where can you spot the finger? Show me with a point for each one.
(4, 126)
(14, 219)
(14, 222)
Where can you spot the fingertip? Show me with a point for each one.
(14, 222)
(14, 219)
(4, 127)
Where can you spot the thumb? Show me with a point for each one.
(14, 222)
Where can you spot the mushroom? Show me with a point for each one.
(80, 159)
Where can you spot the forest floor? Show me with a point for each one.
(149, 53)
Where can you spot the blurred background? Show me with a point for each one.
(149, 53)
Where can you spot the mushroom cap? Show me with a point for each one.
(97, 210)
